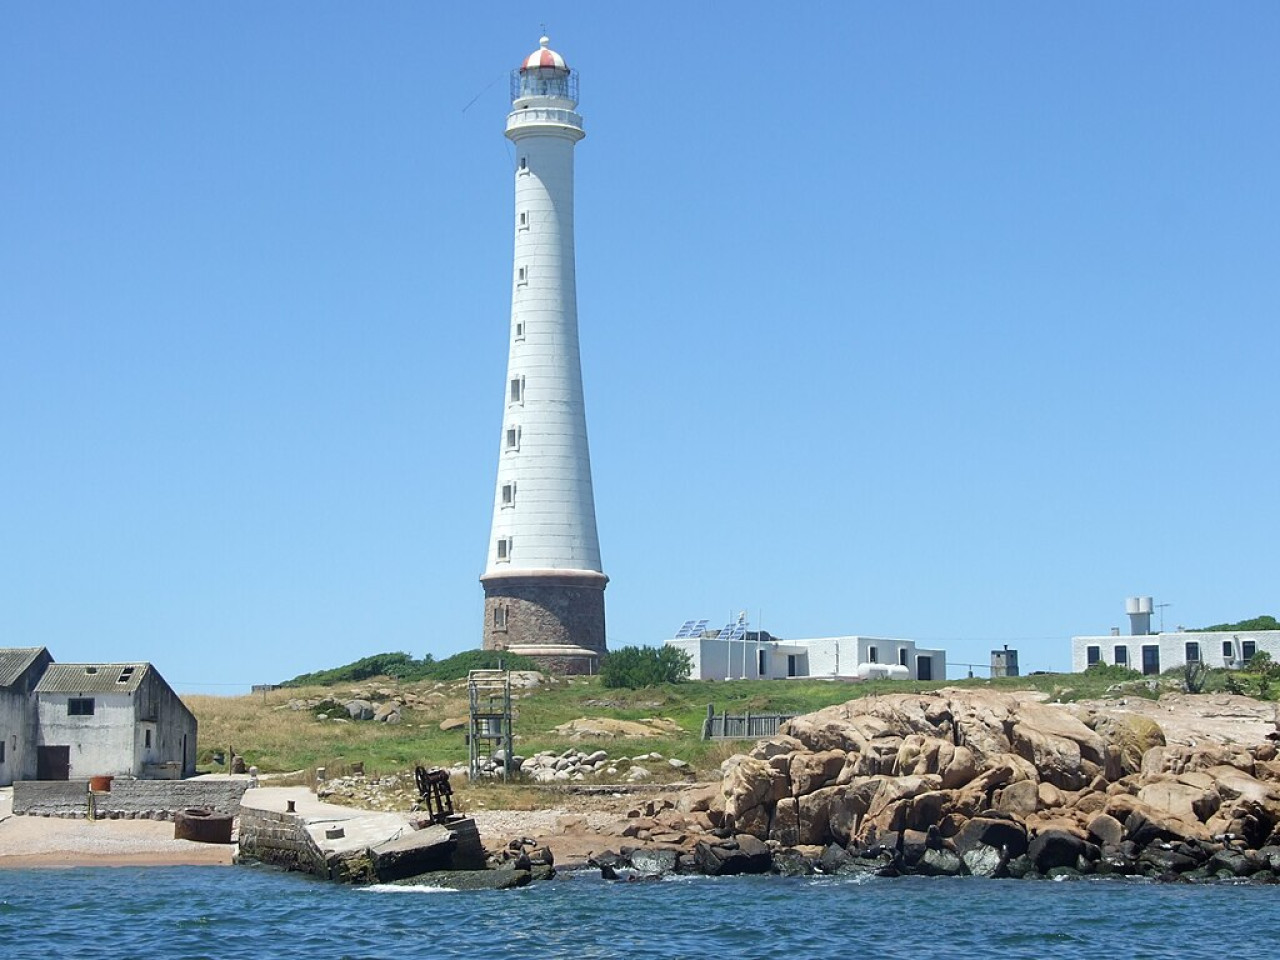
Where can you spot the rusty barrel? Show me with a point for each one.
(202, 826)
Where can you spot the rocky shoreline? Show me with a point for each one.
(976, 783)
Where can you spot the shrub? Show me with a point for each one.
(635, 667)
(1112, 673)
(1195, 674)
(402, 666)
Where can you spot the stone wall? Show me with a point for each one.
(128, 799)
(544, 610)
(51, 798)
(280, 839)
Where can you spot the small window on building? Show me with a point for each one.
(902, 656)
(519, 329)
(513, 438)
(522, 275)
(1092, 655)
(1193, 652)
(147, 744)
(1228, 650)
(1122, 656)
(1247, 649)
(872, 655)
(524, 219)
(504, 548)
(509, 494)
(517, 390)
(1, 751)
(125, 675)
(499, 616)
(80, 707)
(524, 164)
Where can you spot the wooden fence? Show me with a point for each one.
(747, 726)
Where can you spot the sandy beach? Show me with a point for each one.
(27, 842)
(50, 842)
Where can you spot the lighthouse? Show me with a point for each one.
(543, 582)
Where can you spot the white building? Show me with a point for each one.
(1154, 653)
(734, 653)
(118, 719)
(543, 582)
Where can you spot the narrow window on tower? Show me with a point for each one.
(524, 219)
(499, 616)
(513, 438)
(522, 276)
(504, 549)
(519, 329)
(517, 389)
(524, 166)
(509, 494)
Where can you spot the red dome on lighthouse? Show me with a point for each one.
(544, 57)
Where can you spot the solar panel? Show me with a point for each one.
(686, 630)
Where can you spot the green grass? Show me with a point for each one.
(267, 733)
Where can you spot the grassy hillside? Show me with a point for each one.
(268, 732)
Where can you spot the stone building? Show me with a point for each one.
(61, 721)
(20, 670)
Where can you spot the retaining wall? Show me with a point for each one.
(280, 839)
(128, 799)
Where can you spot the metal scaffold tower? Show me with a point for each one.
(489, 692)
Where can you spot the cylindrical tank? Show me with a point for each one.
(1132, 605)
(1145, 605)
(883, 671)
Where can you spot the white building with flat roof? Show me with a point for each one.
(734, 653)
(1152, 653)
(1156, 652)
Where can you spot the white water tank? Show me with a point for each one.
(883, 671)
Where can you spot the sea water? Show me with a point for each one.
(243, 912)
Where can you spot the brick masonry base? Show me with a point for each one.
(540, 610)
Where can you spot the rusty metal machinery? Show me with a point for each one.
(436, 793)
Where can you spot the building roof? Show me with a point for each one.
(92, 677)
(544, 57)
(14, 662)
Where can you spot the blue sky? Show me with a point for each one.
(954, 322)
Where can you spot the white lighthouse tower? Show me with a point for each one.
(543, 583)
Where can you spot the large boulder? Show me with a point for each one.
(809, 771)
(751, 788)
(1002, 834)
(1064, 751)
(1131, 735)
(1191, 796)
(742, 854)
(1059, 848)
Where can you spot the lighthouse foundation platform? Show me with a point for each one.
(554, 617)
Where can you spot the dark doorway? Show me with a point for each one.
(1150, 660)
(791, 665)
(924, 668)
(53, 763)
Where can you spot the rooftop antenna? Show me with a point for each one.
(1160, 607)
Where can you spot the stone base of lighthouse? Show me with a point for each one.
(554, 617)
